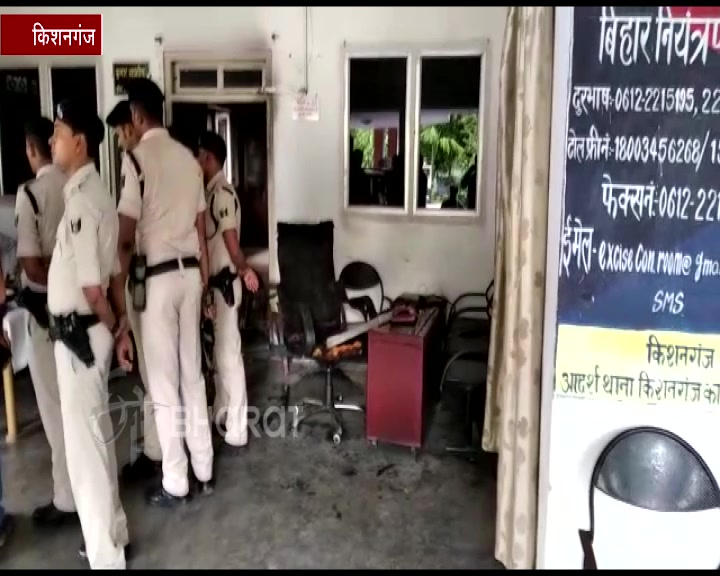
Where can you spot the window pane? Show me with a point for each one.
(19, 101)
(448, 141)
(377, 122)
(195, 78)
(242, 78)
(76, 84)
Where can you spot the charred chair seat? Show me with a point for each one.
(310, 311)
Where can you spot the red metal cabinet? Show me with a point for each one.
(400, 380)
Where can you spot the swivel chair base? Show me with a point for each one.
(330, 405)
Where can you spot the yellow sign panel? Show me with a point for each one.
(648, 367)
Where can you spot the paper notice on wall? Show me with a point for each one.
(306, 107)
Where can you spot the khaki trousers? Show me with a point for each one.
(170, 326)
(231, 403)
(90, 446)
(44, 379)
(151, 442)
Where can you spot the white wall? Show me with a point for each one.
(450, 258)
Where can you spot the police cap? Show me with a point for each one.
(145, 93)
(81, 118)
(120, 115)
(214, 144)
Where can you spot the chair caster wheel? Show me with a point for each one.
(337, 437)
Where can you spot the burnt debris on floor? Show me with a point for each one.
(288, 502)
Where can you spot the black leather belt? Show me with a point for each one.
(69, 322)
(171, 266)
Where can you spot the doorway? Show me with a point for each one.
(28, 90)
(78, 83)
(243, 126)
(19, 101)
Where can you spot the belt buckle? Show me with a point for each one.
(181, 266)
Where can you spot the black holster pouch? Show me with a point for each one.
(72, 330)
(136, 281)
(36, 304)
(223, 281)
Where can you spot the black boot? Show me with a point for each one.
(206, 488)
(162, 498)
(49, 516)
(141, 470)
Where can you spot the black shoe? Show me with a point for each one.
(7, 527)
(230, 450)
(141, 470)
(50, 516)
(206, 488)
(82, 552)
(162, 498)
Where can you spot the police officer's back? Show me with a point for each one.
(158, 199)
(165, 201)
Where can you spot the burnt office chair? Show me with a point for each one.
(653, 469)
(311, 310)
(364, 292)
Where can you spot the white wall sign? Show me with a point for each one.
(306, 107)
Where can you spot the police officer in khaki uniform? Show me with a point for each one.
(147, 465)
(166, 203)
(39, 207)
(228, 269)
(84, 329)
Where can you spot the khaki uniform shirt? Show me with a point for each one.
(174, 195)
(223, 213)
(36, 231)
(85, 252)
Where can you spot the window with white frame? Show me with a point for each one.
(376, 119)
(414, 130)
(211, 77)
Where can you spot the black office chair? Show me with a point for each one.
(469, 321)
(466, 372)
(653, 469)
(311, 310)
(364, 292)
